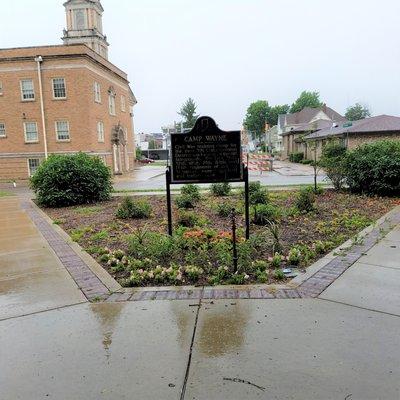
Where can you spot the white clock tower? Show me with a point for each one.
(84, 25)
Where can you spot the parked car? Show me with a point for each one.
(146, 160)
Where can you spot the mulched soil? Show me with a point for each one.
(337, 215)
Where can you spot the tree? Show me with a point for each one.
(333, 161)
(256, 118)
(274, 112)
(188, 112)
(306, 99)
(357, 112)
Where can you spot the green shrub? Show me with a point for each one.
(191, 191)
(65, 180)
(132, 208)
(374, 168)
(187, 219)
(257, 193)
(153, 246)
(296, 157)
(185, 201)
(264, 213)
(333, 161)
(225, 209)
(306, 162)
(221, 189)
(305, 201)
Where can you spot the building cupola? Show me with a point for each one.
(84, 25)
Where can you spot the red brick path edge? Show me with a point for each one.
(87, 281)
(94, 289)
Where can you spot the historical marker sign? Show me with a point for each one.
(206, 154)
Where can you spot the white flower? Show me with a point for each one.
(246, 277)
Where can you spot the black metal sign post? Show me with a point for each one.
(206, 154)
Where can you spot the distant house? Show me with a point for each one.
(293, 127)
(353, 134)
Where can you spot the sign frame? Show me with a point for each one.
(206, 126)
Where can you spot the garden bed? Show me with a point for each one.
(138, 252)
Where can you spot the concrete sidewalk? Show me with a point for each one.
(32, 278)
(342, 345)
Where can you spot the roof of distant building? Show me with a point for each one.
(307, 114)
(380, 123)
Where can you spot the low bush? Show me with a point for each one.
(225, 209)
(306, 162)
(191, 191)
(257, 193)
(66, 180)
(374, 168)
(296, 157)
(132, 208)
(185, 201)
(333, 161)
(264, 213)
(305, 201)
(221, 189)
(187, 219)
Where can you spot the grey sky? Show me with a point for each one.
(227, 53)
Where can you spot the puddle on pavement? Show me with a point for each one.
(222, 331)
(108, 318)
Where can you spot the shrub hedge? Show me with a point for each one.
(374, 168)
(65, 180)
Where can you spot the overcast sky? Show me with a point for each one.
(227, 53)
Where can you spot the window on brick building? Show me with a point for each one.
(62, 130)
(33, 165)
(1, 88)
(59, 89)
(2, 129)
(100, 131)
(97, 92)
(27, 90)
(31, 132)
(111, 103)
(123, 103)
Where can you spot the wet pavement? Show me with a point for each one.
(32, 278)
(286, 174)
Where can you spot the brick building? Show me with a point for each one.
(354, 134)
(65, 99)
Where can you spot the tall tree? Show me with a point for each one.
(306, 99)
(256, 118)
(357, 112)
(188, 112)
(274, 112)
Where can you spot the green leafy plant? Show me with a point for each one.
(374, 168)
(279, 275)
(221, 189)
(187, 219)
(185, 201)
(65, 180)
(192, 191)
(333, 161)
(257, 193)
(263, 213)
(133, 208)
(305, 201)
(296, 157)
(225, 209)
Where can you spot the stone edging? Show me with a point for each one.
(91, 286)
(96, 287)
